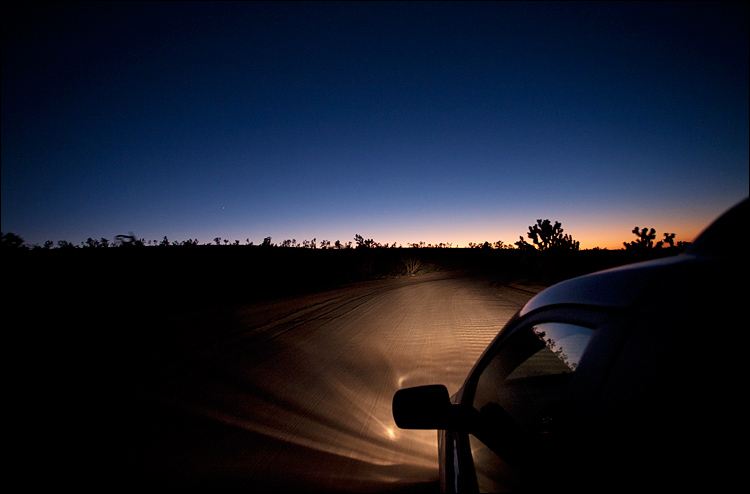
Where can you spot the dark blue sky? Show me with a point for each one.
(435, 122)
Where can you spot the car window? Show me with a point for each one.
(524, 387)
(529, 374)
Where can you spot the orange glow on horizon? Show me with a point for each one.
(605, 231)
(611, 239)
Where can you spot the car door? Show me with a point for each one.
(533, 389)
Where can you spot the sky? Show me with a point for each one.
(401, 122)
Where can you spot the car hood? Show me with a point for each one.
(619, 287)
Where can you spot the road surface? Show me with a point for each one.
(295, 395)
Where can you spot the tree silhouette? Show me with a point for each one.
(547, 236)
(645, 239)
(11, 241)
(544, 233)
(364, 244)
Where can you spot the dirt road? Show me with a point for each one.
(296, 394)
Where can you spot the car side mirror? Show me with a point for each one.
(423, 407)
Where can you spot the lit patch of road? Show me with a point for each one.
(308, 387)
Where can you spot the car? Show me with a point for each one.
(628, 379)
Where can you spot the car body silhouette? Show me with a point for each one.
(628, 379)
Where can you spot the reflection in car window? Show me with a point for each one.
(528, 376)
(564, 345)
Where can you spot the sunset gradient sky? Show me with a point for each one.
(401, 122)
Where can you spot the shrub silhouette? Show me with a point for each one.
(522, 244)
(411, 265)
(128, 241)
(365, 244)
